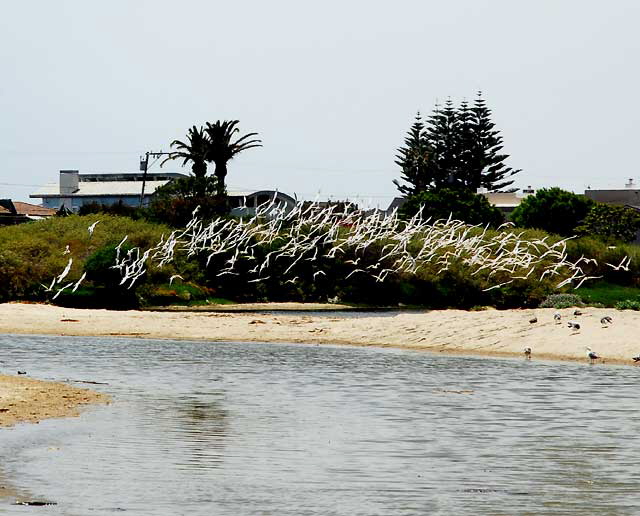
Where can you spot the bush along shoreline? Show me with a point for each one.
(33, 254)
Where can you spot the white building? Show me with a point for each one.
(74, 189)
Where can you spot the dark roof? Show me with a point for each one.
(396, 203)
(621, 197)
(25, 208)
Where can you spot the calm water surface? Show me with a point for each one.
(268, 429)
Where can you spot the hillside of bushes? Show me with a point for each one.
(33, 254)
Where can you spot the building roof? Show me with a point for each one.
(101, 188)
(396, 203)
(626, 196)
(251, 193)
(33, 210)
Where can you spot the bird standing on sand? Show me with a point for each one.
(636, 358)
(606, 321)
(527, 353)
(533, 320)
(577, 312)
(573, 325)
(593, 356)
(557, 317)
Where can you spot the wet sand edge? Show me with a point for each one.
(489, 333)
(27, 400)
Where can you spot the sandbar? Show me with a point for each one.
(24, 399)
(487, 333)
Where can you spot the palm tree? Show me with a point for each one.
(222, 149)
(195, 150)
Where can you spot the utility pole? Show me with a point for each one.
(144, 166)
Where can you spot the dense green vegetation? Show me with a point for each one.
(460, 204)
(610, 223)
(32, 254)
(553, 210)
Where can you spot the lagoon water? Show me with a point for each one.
(268, 429)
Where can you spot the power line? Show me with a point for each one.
(19, 184)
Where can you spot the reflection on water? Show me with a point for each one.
(235, 429)
(202, 427)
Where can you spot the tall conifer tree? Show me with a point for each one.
(487, 161)
(443, 138)
(413, 160)
(455, 148)
(466, 173)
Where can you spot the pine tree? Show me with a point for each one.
(443, 138)
(486, 164)
(413, 160)
(455, 148)
(466, 173)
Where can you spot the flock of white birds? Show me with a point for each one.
(312, 233)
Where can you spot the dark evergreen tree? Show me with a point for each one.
(413, 160)
(444, 140)
(466, 171)
(486, 165)
(455, 148)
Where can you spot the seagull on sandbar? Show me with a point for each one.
(577, 312)
(533, 320)
(636, 358)
(527, 353)
(593, 356)
(606, 321)
(557, 317)
(573, 325)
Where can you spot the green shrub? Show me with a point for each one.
(628, 304)
(32, 254)
(552, 209)
(561, 301)
(611, 223)
(460, 204)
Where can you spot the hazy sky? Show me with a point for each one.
(331, 87)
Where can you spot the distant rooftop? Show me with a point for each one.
(106, 188)
(74, 184)
(32, 210)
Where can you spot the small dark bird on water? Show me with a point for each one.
(606, 321)
(22, 372)
(577, 312)
(533, 320)
(527, 353)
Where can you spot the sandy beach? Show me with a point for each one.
(488, 333)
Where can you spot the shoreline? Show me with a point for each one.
(28, 400)
(489, 333)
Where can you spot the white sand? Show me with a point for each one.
(490, 332)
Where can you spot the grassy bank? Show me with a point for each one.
(33, 254)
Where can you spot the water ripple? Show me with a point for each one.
(244, 429)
